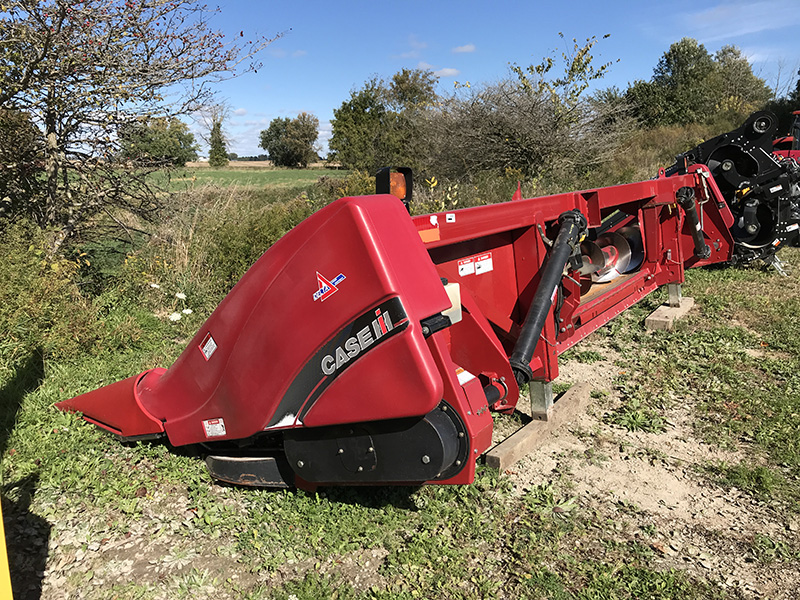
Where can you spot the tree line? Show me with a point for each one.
(83, 83)
(93, 98)
(542, 118)
(538, 119)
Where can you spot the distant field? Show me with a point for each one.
(249, 174)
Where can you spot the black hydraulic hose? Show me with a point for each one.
(573, 227)
(685, 197)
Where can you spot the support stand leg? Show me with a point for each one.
(675, 295)
(541, 400)
(677, 306)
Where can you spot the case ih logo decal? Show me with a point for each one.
(360, 341)
(359, 337)
(327, 288)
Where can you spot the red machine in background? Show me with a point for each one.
(789, 146)
(370, 347)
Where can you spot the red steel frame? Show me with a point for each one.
(511, 235)
(271, 330)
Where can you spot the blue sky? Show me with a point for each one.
(330, 48)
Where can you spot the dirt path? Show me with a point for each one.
(652, 485)
(646, 488)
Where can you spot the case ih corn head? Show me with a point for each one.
(371, 347)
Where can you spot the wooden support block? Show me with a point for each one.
(524, 441)
(664, 316)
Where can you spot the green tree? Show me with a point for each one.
(290, 142)
(794, 95)
(537, 121)
(218, 153)
(21, 170)
(691, 86)
(163, 140)
(412, 89)
(379, 124)
(681, 89)
(85, 71)
(740, 90)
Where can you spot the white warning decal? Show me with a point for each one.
(466, 267)
(327, 287)
(476, 265)
(464, 376)
(214, 427)
(208, 346)
(483, 263)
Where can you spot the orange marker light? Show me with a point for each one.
(397, 185)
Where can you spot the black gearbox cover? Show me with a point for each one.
(411, 450)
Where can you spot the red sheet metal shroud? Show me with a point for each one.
(323, 329)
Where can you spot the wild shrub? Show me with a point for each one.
(41, 306)
(211, 238)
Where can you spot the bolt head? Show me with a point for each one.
(300, 464)
(426, 459)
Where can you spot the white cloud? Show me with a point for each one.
(446, 72)
(464, 48)
(734, 19)
(240, 112)
(417, 46)
(281, 53)
(325, 131)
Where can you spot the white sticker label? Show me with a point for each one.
(475, 265)
(450, 217)
(208, 347)
(483, 263)
(776, 188)
(464, 376)
(214, 427)
(792, 227)
(434, 219)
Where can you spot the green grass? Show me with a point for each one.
(187, 179)
(735, 363)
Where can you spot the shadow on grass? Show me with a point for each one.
(27, 377)
(27, 534)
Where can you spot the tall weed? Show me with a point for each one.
(42, 308)
(212, 236)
